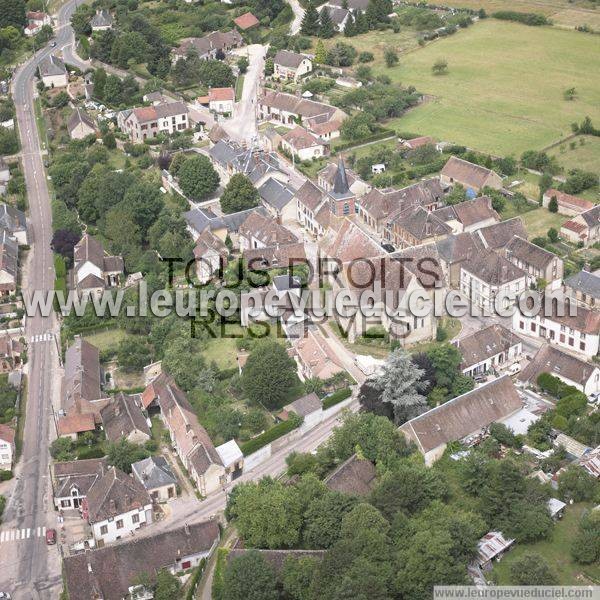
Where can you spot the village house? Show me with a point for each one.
(568, 205)
(584, 288)
(591, 462)
(116, 505)
(488, 276)
(7, 447)
(415, 227)
(280, 108)
(11, 348)
(93, 269)
(291, 65)
(80, 125)
(579, 333)
(219, 100)
(72, 480)
(498, 236)
(418, 142)
(14, 222)
(471, 176)
(491, 546)
(35, 21)
(9, 264)
(53, 72)
(315, 357)
(259, 231)
(540, 265)
(190, 440)
(210, 254)
(571, 370)
(278, 198)
(246, 21)
(327, 175)
(377, 206)
(147, 122)
(355, 476)
(462, 418)
(229, 157)
(454, 251)
(207, 47)
(309, 408)
(270, 257)
(304, 145)
(470, 215)
(349, 243)
(339, 16)
(584, 228)
(122, 417)
(491, 349)
(175, 550)
(102, 20)
(351, 5)
(155, 474)
(312, 211)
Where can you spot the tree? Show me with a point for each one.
(457, 195)
(320, 53)
(250, 577)
(296, 577)
(326, 26)
(349, 29)
(445, 359)
(144, 202)
(401, 386)
(391, 57)
(370, 400)
(570, 94)
(214, 73)
(310, 20)
(553, 235)
(109, 141)
(63, 242)
(183, 360)
(267, 514)
(13, 14)
(239, 194)
(408, 488)
(167, 586)
(9, 142)
(440, 67)
(531, 569)
(269, 374)
(122, 453)
(61, 449)
(99, 81)
(243, 64)
(323, 519)
(553, 205)
(133, 354)
(586, 545)
(197, 177)
(340, 55)
(576, 484)
(358, 126)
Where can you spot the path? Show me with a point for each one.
(298, 16)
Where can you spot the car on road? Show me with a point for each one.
(53, 45)
(51, 537)
(5, 595)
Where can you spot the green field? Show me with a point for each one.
(586, 156)
(538, 221)
(504, 90)
(556, 552)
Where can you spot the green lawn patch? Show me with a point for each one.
(538, 221)
(239, 88)
(503, 93)
(556, 552)
(107, 340)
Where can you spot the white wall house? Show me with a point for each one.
(122, 525)
(7, 447)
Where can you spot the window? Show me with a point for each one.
(135, 518)
(186, 565)
(533, 327)
(582, 346)
(120, 524)
(65, 503)
(571, 342)
(562, 338)
(104, 530)
(521, 325)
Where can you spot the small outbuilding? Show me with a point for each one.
(155, 474)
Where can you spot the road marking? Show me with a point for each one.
(17, 535)
(41, 337)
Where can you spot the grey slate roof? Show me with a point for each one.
(102, 18)
(288, 59)
(275, 193)
(154, 472)
(585, 282)
(52, 66)
(79, 116)
(306, 405)
(12, 219)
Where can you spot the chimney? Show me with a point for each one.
(186, 529)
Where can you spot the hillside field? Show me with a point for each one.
(503, 92)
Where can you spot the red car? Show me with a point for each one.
(51, 537)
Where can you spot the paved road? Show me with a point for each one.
(28, 568)
(298, 16)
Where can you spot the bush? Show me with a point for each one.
(365, 57)
(532, 19)
(5, 475)
(336, 398)
(549, 384)
(271, 435)
(90, 452)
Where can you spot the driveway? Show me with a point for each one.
(298, 16)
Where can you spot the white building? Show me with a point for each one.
(7, 447)
(291, 65)
(302, 144)
(147, 122)
(53, 72)
(116, 505)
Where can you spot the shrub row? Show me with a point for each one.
(271, 435)
(336, 397)
(380, 135)
(520, 17)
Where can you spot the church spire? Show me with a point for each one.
(340, 183)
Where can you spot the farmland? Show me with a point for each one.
(503, 92)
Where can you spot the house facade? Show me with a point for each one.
(584, 288)
(147, 122)
(291, 65)
(7, 447)
(568, 205)
(93, 269)
(583, 229)
(302, 144)
(471, 176)
(539, 264)
(53, 72)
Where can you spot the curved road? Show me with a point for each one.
(28, 568)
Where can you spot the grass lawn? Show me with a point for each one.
(538, 221)
(574, 18)
(239, 88)
(104, 340)
(556, 552)
(503, 92)
(586, 156)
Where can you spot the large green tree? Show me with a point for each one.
(197, 177)
(167, 587)
(12, 14)
(250, 577)
(310, 20)
(326, 26)
(239, 194)
(532, 569)
(269, 374)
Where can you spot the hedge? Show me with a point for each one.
(380, 135)
(219, 573)
(336, 397)
(194, 579)
(270, 435)
(532, 19)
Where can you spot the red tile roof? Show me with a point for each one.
(569, 201)
(224, 93)
(7, 433)
(246, 21)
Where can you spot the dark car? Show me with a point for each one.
(51, 537)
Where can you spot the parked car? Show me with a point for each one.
(5, 595)
(51, 537)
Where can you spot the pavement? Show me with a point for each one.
(298, 16)
(242, 126)
(29, 569)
